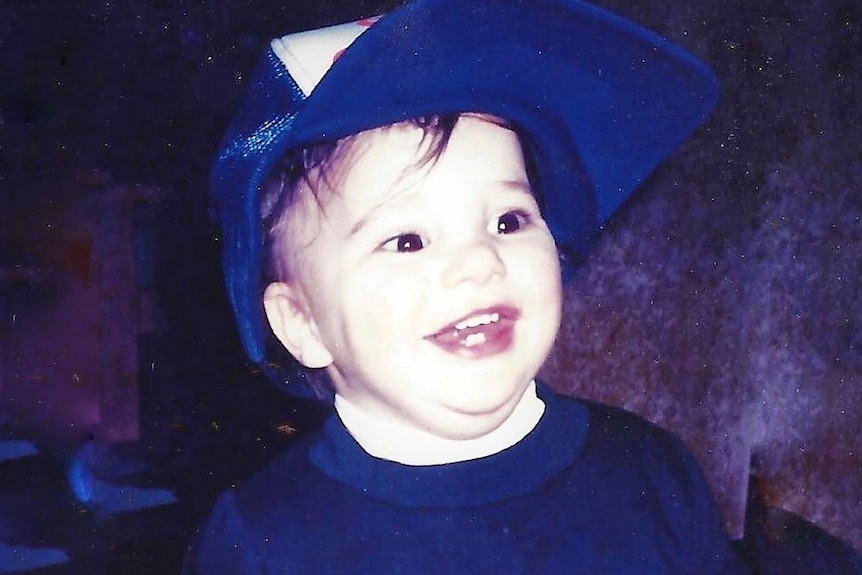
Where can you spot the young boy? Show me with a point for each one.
(403, 224)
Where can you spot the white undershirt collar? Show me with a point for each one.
(410, 446)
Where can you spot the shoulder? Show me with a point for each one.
(260, 522)
(612, 431)
(613, 427)
(631, 472)
(625, 456)
(286, 484)
(274, 485)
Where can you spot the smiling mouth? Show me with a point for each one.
(483, 332)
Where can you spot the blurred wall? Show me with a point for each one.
(74, 303)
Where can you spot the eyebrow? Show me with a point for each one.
(369, 215)
(517, 185)
(363, 221)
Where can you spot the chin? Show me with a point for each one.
(470, 427)
(494, 404)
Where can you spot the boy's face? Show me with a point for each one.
(431, 294)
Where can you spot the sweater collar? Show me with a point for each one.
(553, 444)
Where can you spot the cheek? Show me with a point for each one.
(380, 303)
(541, 272)
(540, 264)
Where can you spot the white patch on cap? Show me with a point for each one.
(308, 55)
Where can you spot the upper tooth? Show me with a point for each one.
(483, 319)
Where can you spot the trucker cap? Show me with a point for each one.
(598, 100)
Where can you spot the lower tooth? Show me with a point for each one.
(474, 339)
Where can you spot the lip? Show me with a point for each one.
(481, 333)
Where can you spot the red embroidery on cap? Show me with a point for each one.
(366, 22)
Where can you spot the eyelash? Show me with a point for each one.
(524, 218)
(413, 241)
(394, 244)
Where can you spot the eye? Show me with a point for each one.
(404, 243)
(511, 222)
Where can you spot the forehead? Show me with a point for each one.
(396, 155)
(381, 158)
(372, 168)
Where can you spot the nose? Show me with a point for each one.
(478, 261)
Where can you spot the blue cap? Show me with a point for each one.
(599, 100)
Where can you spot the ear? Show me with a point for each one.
(292, 323)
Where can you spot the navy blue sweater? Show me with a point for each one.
(592, 489)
